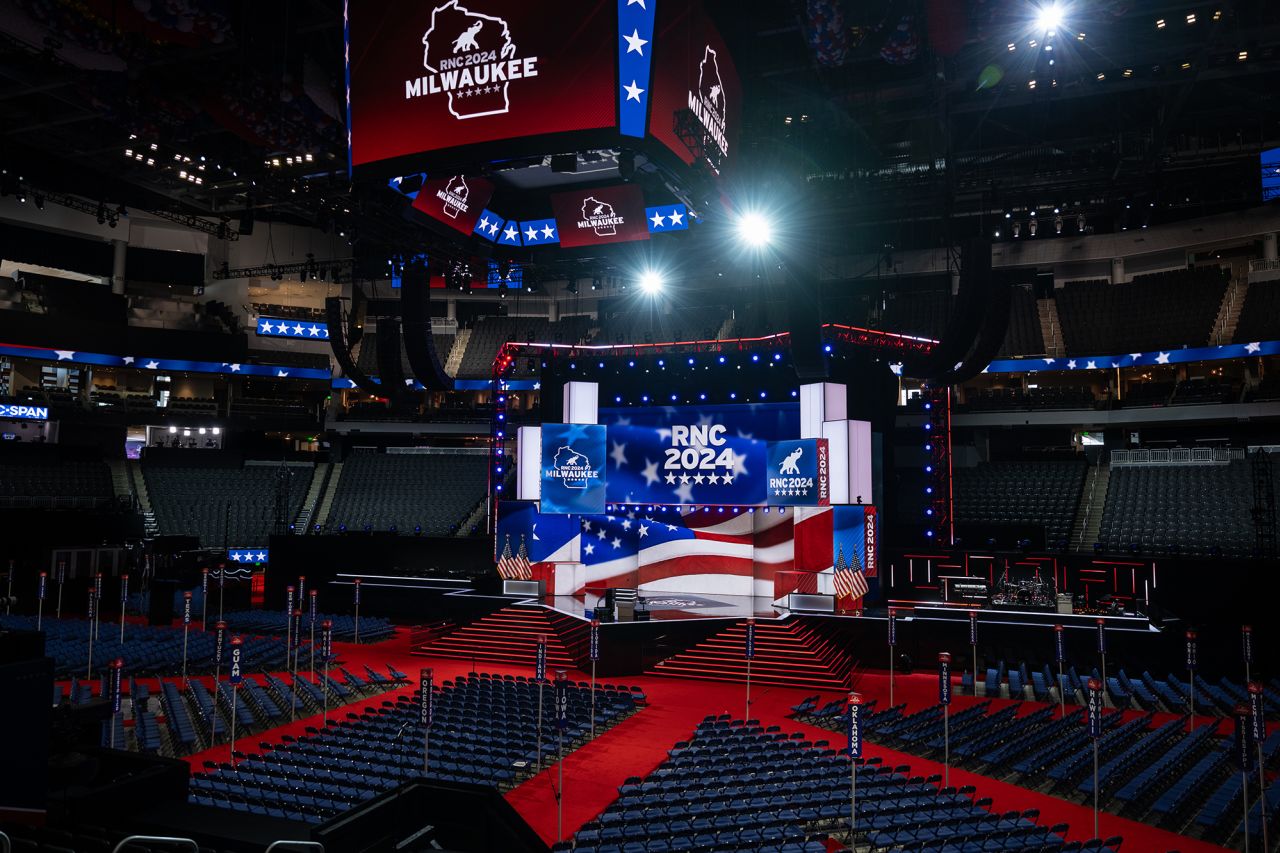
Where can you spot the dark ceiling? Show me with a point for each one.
(909, 123)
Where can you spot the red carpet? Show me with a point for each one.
(635, 747)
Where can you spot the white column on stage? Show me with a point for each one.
(821, 402)
(581, 403)
(849, 452)
(529, 463)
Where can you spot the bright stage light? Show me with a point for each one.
(1048, 18)
(755, 230)
(651, 282)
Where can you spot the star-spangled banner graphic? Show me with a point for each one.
(539, 232)
(490, 225)
(635, 59)
(276, 327)
(249, 556)
(166, 365)
(509, 234)
(1134, 359)
(344, 384)
(669, 217)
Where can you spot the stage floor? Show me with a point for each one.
(673, 606)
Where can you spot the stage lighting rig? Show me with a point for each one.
(1048, 18)
(755, 230)
(651, 282)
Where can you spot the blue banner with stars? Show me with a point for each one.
(635, 48)
(490, 225)
(275, 327)
(573, 459)
(668, 217)
(249, 556)
(509, 234)
(539, 232)
(1184, 355)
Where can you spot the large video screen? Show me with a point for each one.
(428, 76)
(602, 215)
(693, 71)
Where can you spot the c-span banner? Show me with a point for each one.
(573, 468)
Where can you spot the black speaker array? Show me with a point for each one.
(419, 345)
(342, 350)
(967, 319)
(390, 367)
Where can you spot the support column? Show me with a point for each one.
(1117, 270)
(451, 310)
(1269, 246)
(553, 309)
(118, 248)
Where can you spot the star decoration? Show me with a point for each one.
(1162, 358)
(589, 549)
(633, 92)
(1071, 365)
(643, 531)
(684, 478)
(635, 44)
(152, 365)
(650, 472)
(1254, 346)
(658, 219)
(617, 543)
(531, 234)
(297, 330)
(548, 232)
(619, 453)
(671, 479)
(281, 374)
(128, 359)
(235, 368)
(265, 327)
(493, 227)
(510, 233)
(639, 3)
(698, 478)
(315, 331)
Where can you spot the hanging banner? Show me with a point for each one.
(944, 679)
(1095, 708)
(236, 645)
(426, 699)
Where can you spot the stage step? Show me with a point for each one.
(510, 636)
(792, 653)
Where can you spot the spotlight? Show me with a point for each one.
(1048, 18)
(755, 230)
(651, 282)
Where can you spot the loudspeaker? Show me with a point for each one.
(970, 310)
(419, 344)
(246, 222)
(390, 367)
(342, 350)
(991, 334)
(804, 325)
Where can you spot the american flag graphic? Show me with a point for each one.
(848, 580)
(523, 571)
(505, 562)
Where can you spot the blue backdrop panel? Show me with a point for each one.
(573, 457)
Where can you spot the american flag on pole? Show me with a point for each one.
(506, 565)
(523, 571)
(849, 581)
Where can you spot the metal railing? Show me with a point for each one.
(1263, 265)
(1177, 456)
(297, 845)
(156, 839)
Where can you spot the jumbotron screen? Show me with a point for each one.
(429, 76)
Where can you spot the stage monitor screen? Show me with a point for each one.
(1270, 161)
(695, 77)
(430, 76)
(602, 215)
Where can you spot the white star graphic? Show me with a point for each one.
(601, 535)
(353, 382)
(639, 3)
(510, 234)
(1050, 360)
(643, 531)
(235, 368)
(266, 327)
(533, 534)
(650, 472)
(677, 218)
(618, 454)
(658, 219)
(586, 525)
(713, 479)
(684, 478)
(281, 374)
(739, 463)
(635, 44)
(493, 227)
(484, 223)
(548, 232)
(235, 555)
(684, 493)
(262, 556)
(617, 543)
(1071, 365)
(315, 331)
(1162, 358)
(589, 549)
(626, 525)
(698, 478)
(151, 365)
(728, 479)
(531, 234)
(633, 92)
(297, 330)
(65, 354)
(1254, 346)
(1135, 355)
(128, 359)
(1091, 365)
(671, 479)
